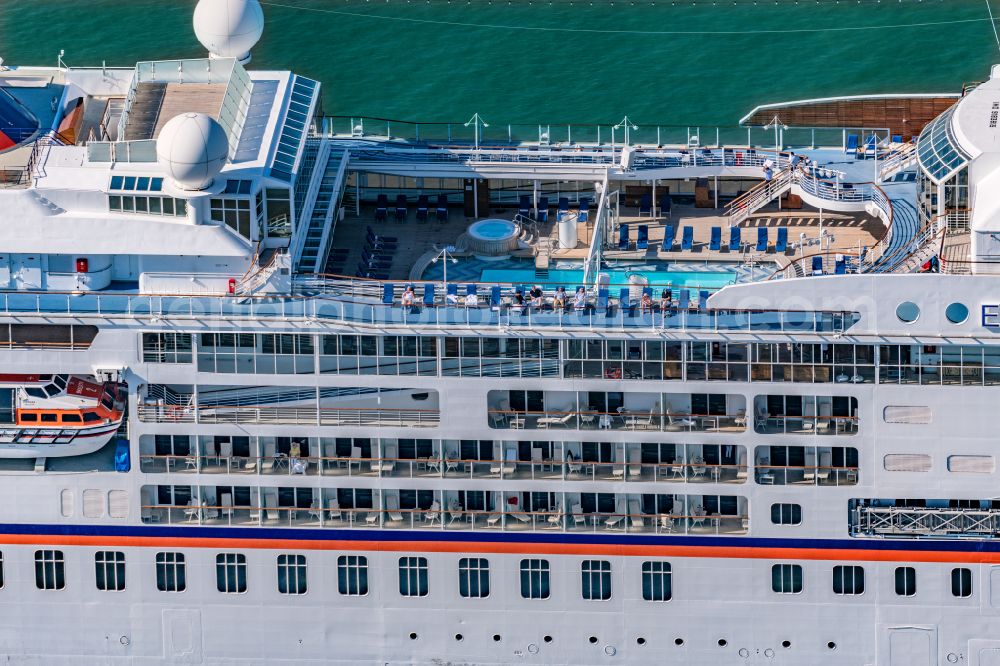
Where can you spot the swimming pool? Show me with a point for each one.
(707, 275)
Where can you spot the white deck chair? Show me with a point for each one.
(635, 514)
(574, 465)
(809, 474)
(389, 457)
(825, 418)
(227, 505)
(210, 450)
(578, 517)
(556, 518)
(825, 465)
(226, 452)
(271, 507)
(267, 460)
(509, 459)
(635, 463)
(392, 509)
(496, 465)
(613, 521)
(316, 510)
(333, 510)
(741, 472)
(355, 458)
(433, 513)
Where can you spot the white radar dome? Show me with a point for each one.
(229, 28)
(192, 148)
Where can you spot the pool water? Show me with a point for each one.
(713, 275)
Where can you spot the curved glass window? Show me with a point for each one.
(939, 153)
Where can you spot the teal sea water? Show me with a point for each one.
(558, 62)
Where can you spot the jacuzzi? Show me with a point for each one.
(493, 237)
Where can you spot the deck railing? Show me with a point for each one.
(267, 415)
(649, 419)
(444, 519)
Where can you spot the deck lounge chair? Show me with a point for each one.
(781, 244)
(817, 265)
(333, 510)
(602, 302)
(375, 239)
(422, 206)
(401, 208)
(429, 294)
(563, 206)
(685, 299)
(271, 507)
(578, 517)
(584, 214)
(762, 239)
(524, 207)
(642, 240)
(495, 298)
(442, 208)
(852, 144)
(623, 240)
(542, 211)
(267, 460)
(619, 515)
(635, 514)
(509, 460)
(471, 290)
(389, 457)
(646, 205)
(381, 208)
(716, 243)
(387, 293)
(634, 464)
(840, 266)
(669, 234)
(687, 238)
(735, 240)
(665, 201)
(451, 294)
(392, 509)
(703, 300)
(871, 145)
(626, 305)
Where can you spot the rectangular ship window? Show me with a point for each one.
(535, 579)
(110, 570)
(352, 575)
(170, 572)
(50, 570)
(474, 577)
(292, 574)
(848, 580)
(231, 573)
(413, 576)
(656, 583)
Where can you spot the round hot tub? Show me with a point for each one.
(493, 237)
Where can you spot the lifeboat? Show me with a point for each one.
(58, 415)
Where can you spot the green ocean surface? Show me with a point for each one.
(668, 63)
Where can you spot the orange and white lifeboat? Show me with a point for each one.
(57, 415)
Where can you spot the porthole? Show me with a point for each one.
(592, 639)
(459, 637)
(907, 312)
(786, 644)
(723, 642)
(496, 638)
(678, 642)
(831, 645)
(956, 313)
(547, 639)
(640, 640)
(413, 635)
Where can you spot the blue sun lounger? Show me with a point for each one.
(542, 212)
(442, 208)
(451, 294)
(687, 238)
(524, 208)
(781, 244)
(646, 205)
(563, 206)
(429, 294)
(584, 210)
(735, 239)
(852, 144)
(623, 241)
(642, 240)
(669, 234)
(685, 299)
(495, 298)
(840, 267)
(422, 208)
(817, 265)
(665, 206)
(716, 243)
(627, 306)
(703, 299)
(602, 302)
(761, 239)
(381, 208)
(387, 290)
(401, 208)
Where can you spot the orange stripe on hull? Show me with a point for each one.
(716, 552)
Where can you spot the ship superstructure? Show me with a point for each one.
(288, 387)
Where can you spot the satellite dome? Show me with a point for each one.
(229, 28)
(192, 148)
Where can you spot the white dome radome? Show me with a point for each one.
(192, 148)
(229, 28)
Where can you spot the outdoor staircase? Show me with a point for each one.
(742, 207)
(897, 161)
(320, 207)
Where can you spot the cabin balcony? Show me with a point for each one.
(805, 415)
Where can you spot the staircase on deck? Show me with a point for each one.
(320, 207)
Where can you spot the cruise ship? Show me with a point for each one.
(284, 387)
